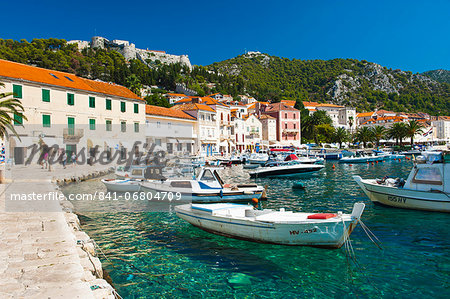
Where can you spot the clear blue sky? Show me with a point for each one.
(410, 35)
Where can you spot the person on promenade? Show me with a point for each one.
(45, 161)
(64, 159)
(74, 159)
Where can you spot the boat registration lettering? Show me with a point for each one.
(306, 231)
(397, 199)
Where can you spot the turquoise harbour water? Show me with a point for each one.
(159, 255)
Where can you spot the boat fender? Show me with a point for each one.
(221, 193)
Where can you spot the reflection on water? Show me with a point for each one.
(157, 254)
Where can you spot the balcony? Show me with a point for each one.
(71, 135)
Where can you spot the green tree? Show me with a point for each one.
(8, 108)
(340, 135)
(324, 133)
(412, 128)
(364, 135)
(397, 132)
(134, 84)
(378, 133)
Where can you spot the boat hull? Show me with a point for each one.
(276, 171)
(325, 234)
(213, 196)
(121, 185)
(404, 198)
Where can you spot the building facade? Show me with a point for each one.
(70, 112)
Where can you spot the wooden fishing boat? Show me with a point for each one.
(239, 221)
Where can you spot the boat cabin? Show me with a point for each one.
(430, 172)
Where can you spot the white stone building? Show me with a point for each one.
(172, 129)
(70, 112)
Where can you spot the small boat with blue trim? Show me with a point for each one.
(426, 188)
(329, 230)
(207, 186)
(122, 185)
(277, 168)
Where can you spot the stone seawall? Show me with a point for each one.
(43, 252)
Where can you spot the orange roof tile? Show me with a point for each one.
(185, 100)
(364, 114)
(279, 107)
(264, 116)
(176, 95)
(288, 102)
(329, 105)
(25, 72)
(193, 106)
(310, 104)
(162, 111)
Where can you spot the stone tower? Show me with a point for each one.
(98, 42)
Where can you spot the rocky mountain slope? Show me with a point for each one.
(439, 75)
(361, 84)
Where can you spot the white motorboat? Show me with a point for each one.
(139, 172)
(362, 158)
(426, 188)
(284, 168)
(122, 185)
(270, 226)
(391, 155)
(258, 158)
(206, 187)
(250, 166)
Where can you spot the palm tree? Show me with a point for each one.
(9, 108)
(413, 127)
(340, 135)
(364, 135)
(350, 123)
(398, 132)
(378, 132)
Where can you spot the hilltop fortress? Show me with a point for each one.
(129, 51)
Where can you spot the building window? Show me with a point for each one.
(122, 107)
(294, 115)
(158, 124)
(45, 95)
(92, 124)
(295, 126)
(70, 99)
(169, 125)
(136, 127)
(285, 125)
(285, 115)
(108, 104)
(91, 102)
(71, 125)
(46, 121)
(108, 125)
(123, 126)
(18, 120)
(17, 91)
(136, 108)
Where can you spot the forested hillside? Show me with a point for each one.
(361, 84)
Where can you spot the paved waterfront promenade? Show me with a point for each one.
(39, 256)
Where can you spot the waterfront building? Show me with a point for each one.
(253, 132)
(171, 129)
(71, 112)
(341, 116)
(238, 129)
(206, 126)
(385, 121)
(442, 129)
(269, 129)
(363, 117)
(223, 124)
(287, 121)
(289, 103)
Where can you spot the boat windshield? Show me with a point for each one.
(428, 175)
(208, 176)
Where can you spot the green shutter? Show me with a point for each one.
(46, 120)
(18, 119)
(123, 126)
(108, 104)
(122, 107)
(46, 95)
(70, 99)
(92, 124)
(136, 127)
(108, 125)
(136, 108)
(91, 102)
(71, 125)
(17, 91)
